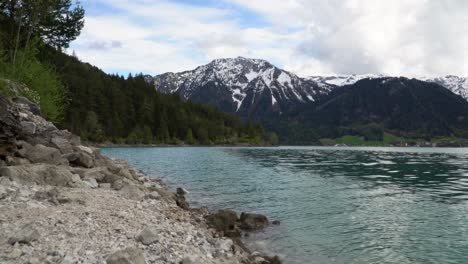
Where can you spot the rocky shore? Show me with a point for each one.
(64, 202)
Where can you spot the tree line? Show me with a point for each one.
(98, 106)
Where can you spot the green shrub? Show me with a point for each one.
(43, 84)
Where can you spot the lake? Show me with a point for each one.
(335, 204)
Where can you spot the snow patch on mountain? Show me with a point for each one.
(456, 84)
(239, 77)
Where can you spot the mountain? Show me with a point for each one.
(103, 107)
(248, 87)
(402, 106)
(304, 110)
(255, 88)
(456, 84)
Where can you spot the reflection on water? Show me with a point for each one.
(336, 205)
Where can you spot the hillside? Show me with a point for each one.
(105, 107)
(401, 106)
(304, 110)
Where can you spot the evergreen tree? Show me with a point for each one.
(189, 138)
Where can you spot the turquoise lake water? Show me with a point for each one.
(336, 205)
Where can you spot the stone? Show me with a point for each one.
(62, 144)
(85, 149)
(253, 221)
(224, 245)
(153, 196)
(276, 222)
(3, 192)
(27, 234)
(50, 196)
(186, 260)
(98, 173)
(129, 255)
(28, 128)
(181, 191)
(224, 221)
(105, 185)
(118, 185)
(91, 182)
(132, 192)
(181, 202)
(26, 103)
(148, 236)
(13, 161)
(81, 159)
(42, 174)
(42, 154)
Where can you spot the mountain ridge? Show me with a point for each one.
(166, 83)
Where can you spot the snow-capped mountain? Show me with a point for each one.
(456, 84)
(256, 88)
(241, 85)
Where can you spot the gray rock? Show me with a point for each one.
(132, 192)
(105, 185)
(182, 202)
(118, 185)
(98, 173)
(3, 192)
(153, 196)
(13, 161)
(224, 245)
(26, 235)
(181, 191)
(148, 236)
(25, 103)
(42, 174)
(42, 154)
(81, 159)
(129, 255)
(224, 221)
(62, 144)
(186, 260)
(28, 128)
(90, 182)
(253, 221)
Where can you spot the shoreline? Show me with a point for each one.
(64, 202)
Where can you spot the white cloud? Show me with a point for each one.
(308, 37)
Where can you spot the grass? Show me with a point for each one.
(349, 140)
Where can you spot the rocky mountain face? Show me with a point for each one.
(325, 106)
(256, 89)
(248, 87)
(404, 105)
(458, 85)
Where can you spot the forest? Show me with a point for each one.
(100, 107)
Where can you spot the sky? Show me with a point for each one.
(308, 37)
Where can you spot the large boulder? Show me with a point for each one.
(224, 221)
(79, 158)
(41, 174)
(42, 154)
(148, 236)
(27, 234)
(98, 173)
(62, 144)
(132, 192)
(129, 255)
(25, 103)
(28, 127)
(253, 221)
